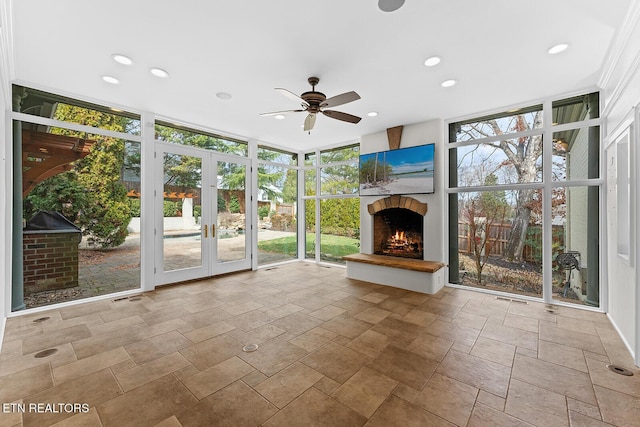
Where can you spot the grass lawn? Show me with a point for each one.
(337, 246)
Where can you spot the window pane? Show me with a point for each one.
(339, 228)
(310, 182)
(492, 254)
(498, 124)
(44, 104)
(277, 214)
(310, 228)
(510, 161)
(277, 156)
(341, 179)
(340, 154)
(168, 133)
(310, 159)
(576, 109)
(576, 154)
(575, 245)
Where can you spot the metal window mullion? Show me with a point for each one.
(495, 138)
(317, 207)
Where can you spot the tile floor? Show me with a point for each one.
(332, 352)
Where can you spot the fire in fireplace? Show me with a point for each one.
(398, 232)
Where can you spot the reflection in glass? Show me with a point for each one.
(277, 214)
(339, 179)
(182, 210)
(177, 135)
(232, 220)
(504, 123)
(340, 154)
(576, 109)
(309, 182)
(493, 252)
(277, 156)
(576, 154)
(575, 245)
(339, 228)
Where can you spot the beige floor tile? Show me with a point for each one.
(493, 313)
(534, 311)
(460, 335)
(272, 356)
(491, 400)
(314, 408)
(92, 389)
(205, 317)
(602, 376)
(250, 320)
(577, 325)
(258, 335)
(469, 320)
(90, 364)
(162, 315)
(486, 416)
(254, 378)
(297, 323)
(241, 308)
(327, 312)
(283, 310)
(440, 308)
(212, 351)
(147, 405)
(124, 322)
(335, 361)
(572, 339)
(448, 398)
(535, 405)
(235, 405)
(157, 346)
(374, 297)
(346, 326)
(353, 305)
(404, 366)
(434, 348)
(88, 419)
(64, 354)
(372, 315)
(397, 412)
(312, 302)
(327, 385)
(564, 381)
(313, 339)
(25, 383)
(51, 339)
(398, 331)
(209, 331)
(365, 391)
(591, 411)
(495, 351)
(521, 322)
(420, 317)
(150, 371)
(569, 357)
(288, 384)
(513, 336)
(217, 377)
(169, 422)
(580, 420)
(480, 373)
(54, 324)
(84, 309)
(405, 392)
(370, 343)
(618, 408)
(108, 341)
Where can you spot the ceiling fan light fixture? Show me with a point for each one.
(122, 59)
(390, 5)
(448, 83)
(431, 61)
(561, 47)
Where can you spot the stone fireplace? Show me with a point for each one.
(398, 227)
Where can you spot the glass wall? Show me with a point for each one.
(334, 182)
(277, 205)
(524, 201)
(80, 206)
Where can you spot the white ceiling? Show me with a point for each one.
(495, 49)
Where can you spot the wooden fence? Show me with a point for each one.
(498, 237)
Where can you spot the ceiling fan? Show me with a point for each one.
(315, 102)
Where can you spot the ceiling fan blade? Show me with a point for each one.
(343, 98)
(291, 95)
(274, 113)
(339, 115)
(309, 122)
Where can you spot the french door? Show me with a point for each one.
(202, 221)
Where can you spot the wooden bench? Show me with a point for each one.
(406, 273)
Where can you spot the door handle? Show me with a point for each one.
(213, 230)
(205, 231)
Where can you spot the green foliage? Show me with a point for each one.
(197, 211)
(337, 246)
(222, 204)
(263, 211)
(134, 206)
(340, 217)
(234, 204)
(61, 193)
(290, 188)
(170, 208)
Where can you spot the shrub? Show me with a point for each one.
(170, 208)
(134, 205)
(234, 204)
(263, 211)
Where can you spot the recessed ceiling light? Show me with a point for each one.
(372, 114)
(390, 5)
(159, 72)
(430, 62)
(558, 48)
(122, 59)
(279, 116)
(223, 95)
(448, 83)
(110, 79)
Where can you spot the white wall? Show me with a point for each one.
(621, 89)
(434, 233)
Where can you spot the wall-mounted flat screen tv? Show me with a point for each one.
(402, 171)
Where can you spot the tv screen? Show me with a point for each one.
(402, 171)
